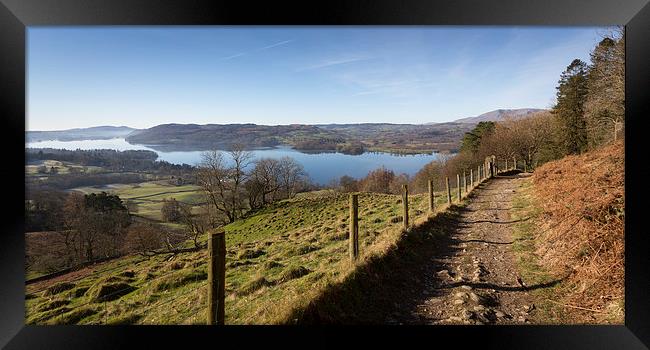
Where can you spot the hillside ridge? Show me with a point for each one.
(500, 114)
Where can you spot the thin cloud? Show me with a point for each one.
(334, 62)
(234, 56)
(274, 45)
(389, 83)
(257, 50)
(538, 75)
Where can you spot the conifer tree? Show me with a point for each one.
(605, 103)
(569, 110)
(472, 140)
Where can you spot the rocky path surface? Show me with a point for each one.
(473, 279)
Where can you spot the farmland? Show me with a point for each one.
(149, 195)
(62, 167)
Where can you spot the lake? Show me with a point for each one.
(321, 167)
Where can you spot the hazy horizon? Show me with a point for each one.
(235, 123)
(139, 77)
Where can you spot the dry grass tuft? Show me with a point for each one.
(254, 286)
(109, 291)
(59, 287)
(584, 210)
(73, 316)
(293, 273)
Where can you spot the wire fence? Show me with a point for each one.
(418, 206)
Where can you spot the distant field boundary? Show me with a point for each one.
(160, 193)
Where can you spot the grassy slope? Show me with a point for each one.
(278, 260)
(576, 237)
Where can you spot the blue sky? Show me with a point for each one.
(145, 76)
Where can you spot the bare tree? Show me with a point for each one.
(266, 176)
(170, 210)
(73, 207)
(378, 180)
(142, 238)
(98, 222)
(291, 175)
(347, 184)
(432, 171)
(533, 135)
(223, 184)
(195, 224)
(255, 191)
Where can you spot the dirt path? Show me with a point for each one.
(472, 278)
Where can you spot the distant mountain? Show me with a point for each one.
(500, 114)
(94, 133)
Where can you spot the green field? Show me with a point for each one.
(149, 195)
(277, 260)
(63, 167)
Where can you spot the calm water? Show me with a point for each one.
(321, 167)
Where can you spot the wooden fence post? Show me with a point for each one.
(493, 167)
(465, 181)
(471, 178)
(448, 191)
(431, 197)
(506, 167)
(216, 277)
(354, 227)
(514, 160)
(458, 185)
(405, 200)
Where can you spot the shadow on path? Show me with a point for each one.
(391, 288)
(393, 285)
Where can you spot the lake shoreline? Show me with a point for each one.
(322, 167)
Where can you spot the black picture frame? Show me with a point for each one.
(16, 15)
